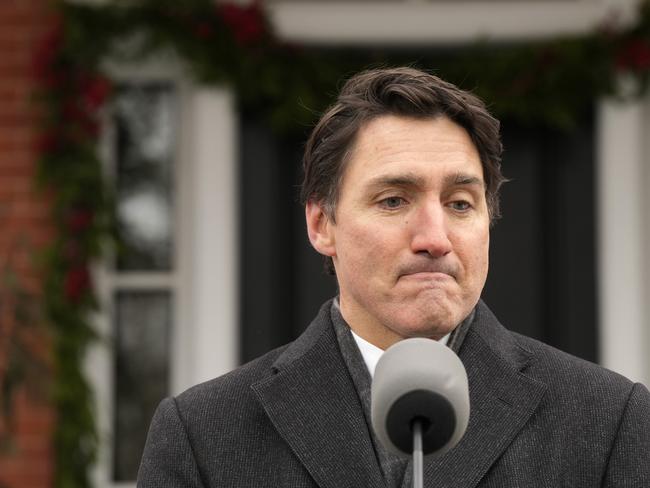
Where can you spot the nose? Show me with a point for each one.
(429, 231)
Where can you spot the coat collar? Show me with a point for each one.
(312, 402)
(502, 399)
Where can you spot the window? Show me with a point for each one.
(144, 268)
(169, 296)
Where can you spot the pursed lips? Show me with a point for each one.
(428, 270)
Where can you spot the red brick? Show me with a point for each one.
(23, 10)
(33, 240)
(18, 135)
(27, 474)
(16, 40)
(31, 426)
(13, 36)
(18, 162)
(14, 188)
(19, 138)
(21, 95)
(11, 470)
(30, 209)
(16, 85)
(24, 216)
(13, 62)
(13, 118)
(23, 261)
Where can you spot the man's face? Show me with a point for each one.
(411, 237)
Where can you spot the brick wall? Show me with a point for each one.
(24, 230)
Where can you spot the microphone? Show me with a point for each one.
(419, 400)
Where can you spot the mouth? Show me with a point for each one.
(429, 271)
(427, 276)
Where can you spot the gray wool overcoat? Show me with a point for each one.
(292, 418)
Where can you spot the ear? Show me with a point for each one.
(320, 229)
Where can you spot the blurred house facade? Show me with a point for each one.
(206, 213)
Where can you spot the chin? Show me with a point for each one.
(431, 326)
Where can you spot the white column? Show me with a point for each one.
(622, 249)
(209, 289)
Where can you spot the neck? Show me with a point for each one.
(369, 329)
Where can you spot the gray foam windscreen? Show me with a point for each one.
(420, 379)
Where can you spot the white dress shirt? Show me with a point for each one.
(372, 353)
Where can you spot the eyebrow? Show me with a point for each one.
(463, 179)
(409, 180)
(403, 180)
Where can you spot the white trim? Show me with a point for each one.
(212, 260)
(623, 276)
(204, 279)
(401, 23)
(99, 371)
(99, 359)
(143, 280)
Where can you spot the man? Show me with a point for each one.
(401, 183)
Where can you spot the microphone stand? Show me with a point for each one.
(418, 481)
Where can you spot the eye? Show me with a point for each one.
(461, 205)
(392, 202)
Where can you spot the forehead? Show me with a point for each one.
(431, 148)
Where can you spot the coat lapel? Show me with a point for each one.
(502, 399)
(312, 402)
(314, 406)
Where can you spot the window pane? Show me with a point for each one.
(142, 331)
(144, 121)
